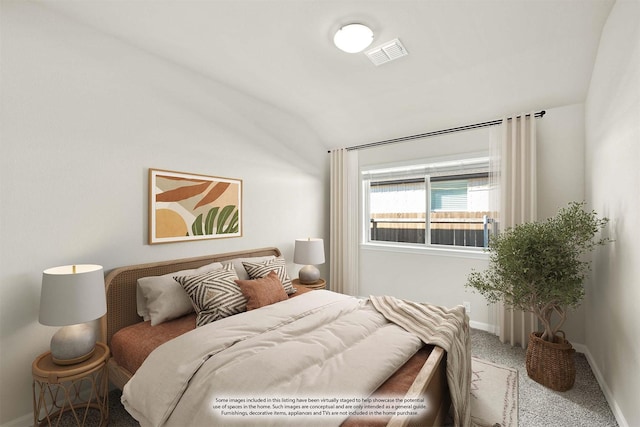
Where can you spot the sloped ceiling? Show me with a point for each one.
(468, 61)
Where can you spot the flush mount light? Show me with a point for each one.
(353, 38)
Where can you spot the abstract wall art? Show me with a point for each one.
(184, 206)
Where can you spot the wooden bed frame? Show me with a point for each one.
(121, 284)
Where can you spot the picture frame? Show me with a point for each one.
(186, 207)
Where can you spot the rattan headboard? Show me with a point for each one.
(121, 285)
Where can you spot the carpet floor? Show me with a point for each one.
(584, 405)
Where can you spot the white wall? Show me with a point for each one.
(439, 279)
(561, 179)
(84, 116)
(613, 183)
(414, 274)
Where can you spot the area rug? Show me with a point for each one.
(494, 394)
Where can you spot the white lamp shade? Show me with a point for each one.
(309, 251)
(72, 294)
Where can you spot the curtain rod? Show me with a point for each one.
(537, 115)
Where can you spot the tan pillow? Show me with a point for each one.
(264, 291)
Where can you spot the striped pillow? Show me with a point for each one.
(214, 294)
(258, 270)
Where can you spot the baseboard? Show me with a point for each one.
(579, 348)
(487, 327)
(23, 421)
(622, 421)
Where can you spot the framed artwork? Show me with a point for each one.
(184, 206)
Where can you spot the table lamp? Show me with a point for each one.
(71, 296)
(310, 252)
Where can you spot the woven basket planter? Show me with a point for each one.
(551, 363)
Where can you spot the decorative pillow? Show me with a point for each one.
(161, 298)
(214, 294)
(260, 292)
(258, 270)
(240, 271)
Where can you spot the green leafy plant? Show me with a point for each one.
(217, 221)
(539, 266)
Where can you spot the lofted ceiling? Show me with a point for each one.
(468, 61)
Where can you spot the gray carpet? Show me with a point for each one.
(584, 405)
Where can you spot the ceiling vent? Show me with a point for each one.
(386, 52)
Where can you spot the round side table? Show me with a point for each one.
(319, 284)
(80, 390)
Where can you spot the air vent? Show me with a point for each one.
(386, 52)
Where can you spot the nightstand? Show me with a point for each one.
(320, 284)
(72, 389)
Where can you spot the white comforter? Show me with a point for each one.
(299, 347)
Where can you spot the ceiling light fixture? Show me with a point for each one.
(353, 38)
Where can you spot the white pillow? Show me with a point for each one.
(161, 298)
(240, 270)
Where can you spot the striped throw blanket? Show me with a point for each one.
(446, 328)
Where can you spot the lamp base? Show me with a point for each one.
(65, 362)
(309, 274)
(73, 344)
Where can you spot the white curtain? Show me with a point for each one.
(513, 163)
(343, 242)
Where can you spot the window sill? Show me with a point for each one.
(471, 253)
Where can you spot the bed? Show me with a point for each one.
(136, 344)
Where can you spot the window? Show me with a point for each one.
(454, 193)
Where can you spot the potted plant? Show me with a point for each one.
(539, 267)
